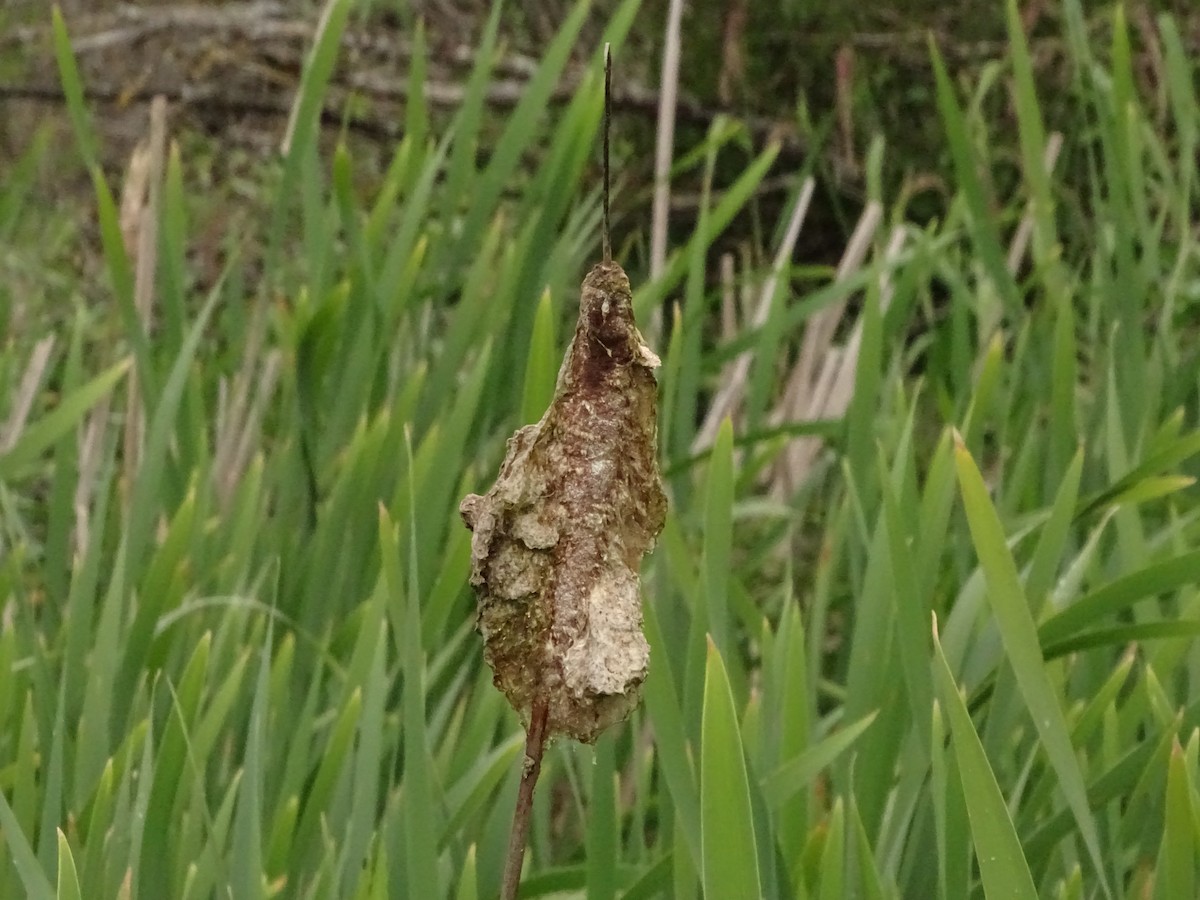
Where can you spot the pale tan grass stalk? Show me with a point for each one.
(1021, 238)
(730, 394)
(91, 446)
(811, 379)
(664, 150)
(27, 390)
(140, 202)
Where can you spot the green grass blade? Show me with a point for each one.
(37, 885)
(52, 788)
(541, 369)
(603, 833)
(72, 83)
(718, 539)
(1122, 593)
(1053, 539)
(981, 223)
(1002, 865)
(651, 295)
(44, 433)
(726, 827)
(796, 774)
(421, 816)
(1020, 638)
(314, 79)
(68, 879)
(1177, 855)
(246, 862)
(662, 702)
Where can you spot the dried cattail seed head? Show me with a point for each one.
(558, 540)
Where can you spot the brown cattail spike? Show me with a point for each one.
(557, 542)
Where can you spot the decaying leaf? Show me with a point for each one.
(558, 540)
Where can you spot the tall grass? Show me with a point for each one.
(957, 659)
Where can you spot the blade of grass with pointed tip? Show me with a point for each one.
(1020, 639)
(335, 755)
(1157, 463)
(603, 836)
(469, 118)
(909, 608)
(37, 886)
(418, 774)
(541, 367)
(314, 78)
(136, 828)
(52, 789)
(718, 539)
(1135, 632)
(367, 767)
(980, 221)
(72, 84)
(950, 815)
(521, 124)
(1177, 854)
(68, 879)
(168, 771)
(651, 295)
(246, 862)
(1031, 134)
(727, 835)
(833, 855)
(1002, 865)
(147, 491)
(470, 793)
(662, 702)
(1158, 578)
(98, 823)
(1053, 539)
(61, 514)
(796, 774)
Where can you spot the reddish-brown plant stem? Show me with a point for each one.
(535, 741)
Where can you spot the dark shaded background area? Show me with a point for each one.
(822, 76)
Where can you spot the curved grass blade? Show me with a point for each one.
(796, 774)
(1156, 630)
(1019, 636)
(1002, 864)
(1159, 578)
(37, 885)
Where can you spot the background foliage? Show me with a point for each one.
(237, 639)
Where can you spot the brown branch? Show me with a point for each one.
(535, 740)
(501, 94)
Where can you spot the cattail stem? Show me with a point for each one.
(535, 742)
(605, 240)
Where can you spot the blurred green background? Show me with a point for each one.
(923, 617)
